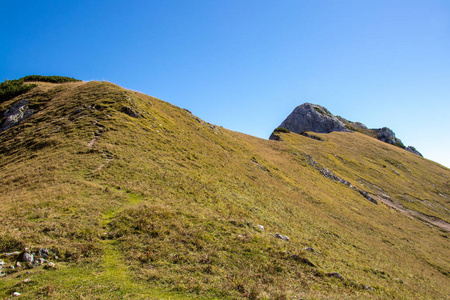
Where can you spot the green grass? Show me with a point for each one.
(167, 206)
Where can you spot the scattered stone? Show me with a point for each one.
(310, 249)
(303, 260)
(260, 227)
(44, 253)
(12, 253)
(50, 265)
(41, 261)
(393, 170)
(307, 262)
(131, 112)
(282, 237)
(366, 287)
(18, 265)
(2, 263)
(296, 257)
(367, 196)
(398, 280)
(16, 294)
(26, 280)
(335, 275)
(26, 256)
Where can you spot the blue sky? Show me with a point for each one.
(246, 64)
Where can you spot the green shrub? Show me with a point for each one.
(281, 129)
(13, 88)
(52, 79)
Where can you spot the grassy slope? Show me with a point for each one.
(166, 205)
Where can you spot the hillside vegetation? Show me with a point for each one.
(135, 198)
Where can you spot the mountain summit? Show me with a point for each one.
(316, 118)
(107, 193)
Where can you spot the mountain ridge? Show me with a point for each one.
(316, 118)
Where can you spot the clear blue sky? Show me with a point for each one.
(245, 64)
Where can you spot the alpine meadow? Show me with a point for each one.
(107, 193)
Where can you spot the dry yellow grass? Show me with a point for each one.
(173, 203)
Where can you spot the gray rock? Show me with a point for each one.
(41, 261)
(16, 294)
(303, 260)
(18, 265)
(26, 257)
(50, 265)
(12, 253)
(282, 237)
(311, 117)
(260, 227)
(310, 249)
(131, 112)
(18, 112)
(335, 275)
(388, 136)
(2, 263)
(413, 150)
(44, 252)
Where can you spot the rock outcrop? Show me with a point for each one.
(311, 117)
(413, 150)
(388, 136)
(18, 112)
(316, 118)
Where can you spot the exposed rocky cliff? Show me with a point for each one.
(316, 118)
(312, 117)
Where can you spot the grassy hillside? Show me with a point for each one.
(137, 199)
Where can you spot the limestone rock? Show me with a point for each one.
(26, 256)
(18, 112)
(312, 117)
(282, 237)
(316, 118)
(413, 150)
(388, 136)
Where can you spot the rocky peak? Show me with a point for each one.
(312, 117)
(316, 118)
